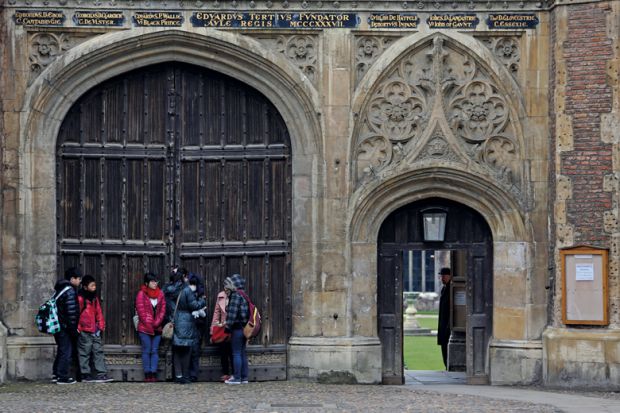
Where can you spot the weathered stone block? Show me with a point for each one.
(511, 255)
(346, 357)
(509, 288)
(508, 323)
(515, 362)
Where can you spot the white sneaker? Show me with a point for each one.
(232, 380)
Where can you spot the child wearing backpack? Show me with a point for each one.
(68, 312)
(90, 325)
(237, 315)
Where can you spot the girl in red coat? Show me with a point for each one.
(151, 310)
(90, 326)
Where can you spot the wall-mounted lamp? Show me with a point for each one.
(434, 224)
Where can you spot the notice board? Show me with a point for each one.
(584, 292)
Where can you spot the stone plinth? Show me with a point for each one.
(581, 358)
(515, 362)
(335, 359)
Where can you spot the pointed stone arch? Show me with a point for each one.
(53, 93)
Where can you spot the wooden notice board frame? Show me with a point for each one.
(584, 285)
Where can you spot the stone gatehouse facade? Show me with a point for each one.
(508, 108)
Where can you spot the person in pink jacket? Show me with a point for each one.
(219, 319)
(151, 310)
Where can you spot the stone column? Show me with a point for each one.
(341, 348)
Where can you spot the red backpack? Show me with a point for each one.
(252, 328)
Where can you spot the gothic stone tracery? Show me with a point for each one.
(439, 104)
(300, 50)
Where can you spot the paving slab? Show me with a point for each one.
(453, 383)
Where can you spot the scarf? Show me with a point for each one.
(150, 292)
(88, 295)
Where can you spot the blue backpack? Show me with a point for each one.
(47, 317)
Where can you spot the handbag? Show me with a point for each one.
(136, 320)
(219, 334)
(168, 330)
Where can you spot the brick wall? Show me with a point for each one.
(587, 51)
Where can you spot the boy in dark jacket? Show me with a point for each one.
(68, 313)
(90, 326)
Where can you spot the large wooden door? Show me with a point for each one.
(178, 164)
(465, 231)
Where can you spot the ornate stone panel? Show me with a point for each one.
(438, 105)
(506, 49)
(301, 50)
(45, 47)
(367, 51)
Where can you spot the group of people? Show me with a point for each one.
(181, 302)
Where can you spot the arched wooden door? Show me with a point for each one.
(174, 163)
(468, 235)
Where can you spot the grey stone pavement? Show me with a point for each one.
(424, 392)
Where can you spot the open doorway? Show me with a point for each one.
(424, 309)
(408, 265)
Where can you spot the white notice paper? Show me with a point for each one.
(459, 298)
(584, 272)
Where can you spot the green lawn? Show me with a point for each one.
(429, 312)
(430, 323)
(422, 353)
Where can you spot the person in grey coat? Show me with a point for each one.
(185, 332)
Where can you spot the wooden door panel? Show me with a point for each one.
(134, 195)
(190, 201)
(390, 315)
(479, 311)
(156, 199)
(234, 189)
(92, 198)
(70, 198)
(256, 200)
(113, 200)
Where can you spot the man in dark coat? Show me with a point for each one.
(68, 315)
(443, 325)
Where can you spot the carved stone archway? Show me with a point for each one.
(51, 95)
(444, 120)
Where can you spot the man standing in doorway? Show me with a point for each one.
(443, 325)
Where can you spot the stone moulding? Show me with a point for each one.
(373, 203)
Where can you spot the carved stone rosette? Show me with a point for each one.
(301, 50)
(438, 105)
(506, 49)
(367, 51)
(46, 47)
